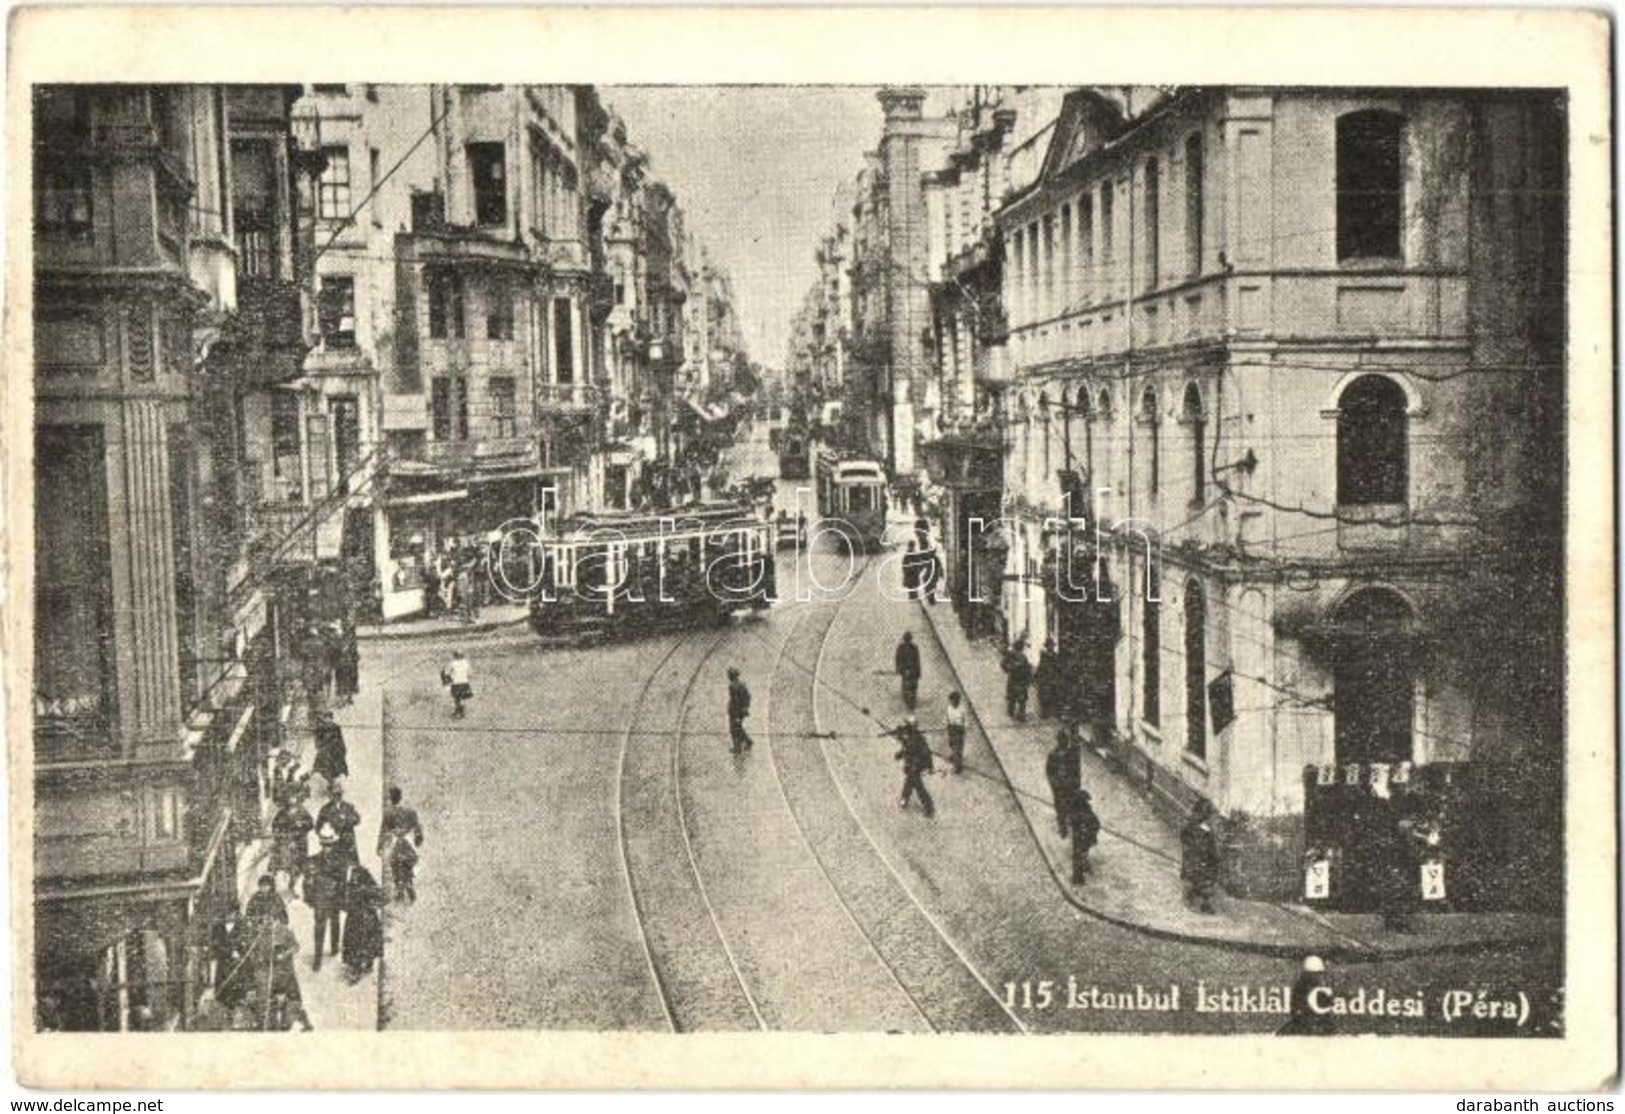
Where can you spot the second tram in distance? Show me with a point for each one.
(852, 494)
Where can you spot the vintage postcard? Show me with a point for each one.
(767, 548)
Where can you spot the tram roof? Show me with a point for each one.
(668, 522)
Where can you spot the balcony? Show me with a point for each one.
(565, 397)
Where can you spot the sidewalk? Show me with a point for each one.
(331, 1000)
(494, 617)
(1135, 881)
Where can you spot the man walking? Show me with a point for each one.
(954, 719)
(336, 824)
(915, 754)
(459, 676)
(332, 756)
(907, 663)
(738, 712)
(1018, 678)
(400, 834)
(324, 889)
(290, 838)
(1065, 779)
(1199, 859)
(1085, 827)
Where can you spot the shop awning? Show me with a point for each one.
(428, 497)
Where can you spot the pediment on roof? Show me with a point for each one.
(1089, 120)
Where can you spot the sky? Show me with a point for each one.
(755, 169)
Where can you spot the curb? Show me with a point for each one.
(387, 633)
(1335, 954)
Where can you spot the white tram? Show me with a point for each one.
(852, 493)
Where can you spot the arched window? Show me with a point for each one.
(1369, 185)
(1196, 420)
(1149, 416)
(1151, 645)
(1103, 406)
(1085, 410)
(1374, 680)
(1195, 669)
(1372, 449)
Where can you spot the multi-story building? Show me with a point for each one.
(170, 294)
(455, 362)
(1290, 359)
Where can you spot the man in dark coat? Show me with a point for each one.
(1085, 827)
(1199, 860)
(363, 929)
(332, 756)
(915, 754)
(400, 834)
(336, 824)
(913, 571)
(1065, 776)
(907, 663)
(324, 889)
(265, 905)
(1047, 680)
(738, 711)
(227, 944)
(290, 837)
(1018, 678)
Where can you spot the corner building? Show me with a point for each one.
(1298, 359)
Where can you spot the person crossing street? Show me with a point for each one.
(906, 661)
(400, 834)
(459, 675)
(738, 712)
(1065, 777)
(915, 754)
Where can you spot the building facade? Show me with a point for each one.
(171, 294)
(1253, 500)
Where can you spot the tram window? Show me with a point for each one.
(860, 499)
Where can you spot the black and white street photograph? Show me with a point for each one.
(891, 558)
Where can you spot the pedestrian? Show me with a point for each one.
(1065, 778)
(1199, 858)
(276, 985)
(1018, 678)
(332, 756)
(336, 824)
(906, 661)
(1047, 683)
(400, 834)
(738, 712)
(465, 592)
(290, 841)
(913, 577)
(1306, 1021)
(266, 905)
(324, 890)
(363, 929)
(954, 718)
(227, 943)
(347, 676)
(915, 754)
(933, 572)
(1085, 827)
(459, 676)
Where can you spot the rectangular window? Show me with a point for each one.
(285, 444)
(1067, 283)
(1108, 278)
(1049, 267)
(1086, 249)
(1370, 185)
(445, 304)
(1153, 222)
(316, 441)
(1151, 646)
(74, 689)
(498, 310)
(504, 402)
(487, 169)
(333, 188)
(374, 174)
(1195, 171)
(449, 400)
(63, 202)
(338, 311)
(563, 342)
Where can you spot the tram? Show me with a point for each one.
(852, 492)
(616, 575)
(793, 453)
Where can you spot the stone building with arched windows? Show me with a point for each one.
(1282, 439)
